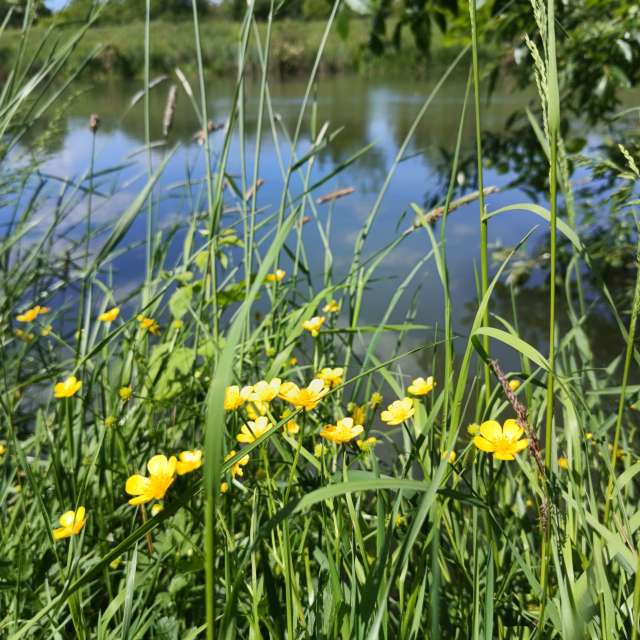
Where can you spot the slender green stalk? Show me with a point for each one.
(484, 252)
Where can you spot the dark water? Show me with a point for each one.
(368, 111)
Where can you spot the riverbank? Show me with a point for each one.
(293, 51)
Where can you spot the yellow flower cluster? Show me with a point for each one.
(31, 314)
(162, 473)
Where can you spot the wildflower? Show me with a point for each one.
(473, 429)
(293, 361)
(313, 326)
(110, 421)
(161, 476)
(331, 307)
(367, 444)
(224, 487)
(620, 454)
(110, 315)
(376, 399)
(589, 435)
(291, 426)
(46, 330)
(234, 397)
(3, 448)
(514, 385)
(68, 388)
(25, 336)
(450, 456)
(31, 314)
(254, 429)
(188, 461)
(156, 509)
(357, 412)
(177, 324)
(504, 442)
(125, 393)
(342, 432)
(421, 387)
(307, 398)
(115, 563)
(270, 352)
(398, 411)
(318, 450)
(400, 520)
(264, 391)
(277, 276)
(331, 377)
(236, 469)
(148, 324)
(563, 463)
(71, 524)
(528, 503)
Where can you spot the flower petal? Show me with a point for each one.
(157, 465)
(491, 430)
(512, 430)
(503, 455)
(483, 445)
(137, 485)
(520, 445)
(66, 519)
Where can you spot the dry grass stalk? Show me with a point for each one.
(334, 195)
(169, 110)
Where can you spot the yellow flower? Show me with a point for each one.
(357, 412)
(307, 398)
(450, 456)
(148, 324)
(342, 432)
(331, 307)
(398, 411)
(367, 444)
(528, 503)
(504, 442)
(332, 377)
(162, 473)
(514, 385)
(293, 361)
(254, 429)
(68, 388)
(156, 509)
(421, 387)
(109, 421)
(314, 325)
(177, 324)
(236, 469)
(400, 520)
(31, 314)
(224, 487)
(188, 461)
(291, 426)
(376, 399)
(3, 449)
(110, 315)
(589, 435)
(234, 397)
(71, 524)
(473, 429)
(125, 393)
(318, 450)
(277, 276)
(46, 330)
(25, 336)
(563, 463)
(264, 391)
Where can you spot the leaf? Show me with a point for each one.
(180, 301)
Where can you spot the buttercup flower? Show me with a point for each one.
(162, 473)
(318, 450)
(342, 432)
(148, 324)
(234, 397)
(264, 391)
(307, 398)
(420, 386)
(156, 509)
(293, 361)
(504, 442)
(331, 307)
(188, 461)
(367, 444)
(376, 399)
(71, 523)
(254, 429)
(313, 326)
(473, 429)
(3, 448)
(398, 411)
(31, 314)
(277, 276)
(236, 469)
(125, 393)
(291, 426)
(450, 456)
(563, 463)
(332, 377)
(357, 412)
(68, 388)
(110, 315)
(224, 487)
(514, 385)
